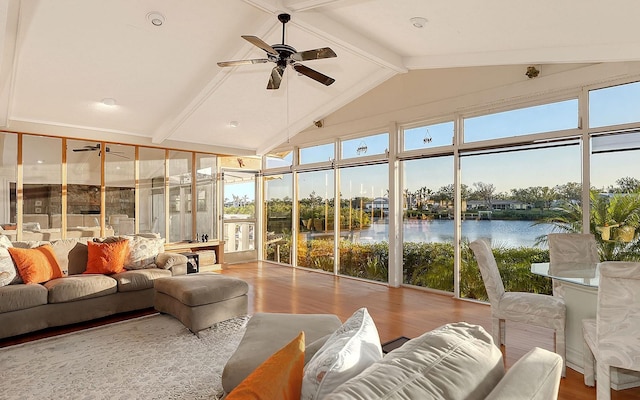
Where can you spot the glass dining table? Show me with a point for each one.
(580, 291)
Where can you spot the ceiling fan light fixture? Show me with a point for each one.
(233, 124)
(155, 18)
(418, 22)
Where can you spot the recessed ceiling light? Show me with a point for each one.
(108, 102)
(155, 18)
(418, 22)
(233, 124)
(40, 161)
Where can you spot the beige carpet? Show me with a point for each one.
(152, 357)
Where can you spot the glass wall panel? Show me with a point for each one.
(42, 187)
(119, 177)
(614, 105)
(151, 186)
(543, 118)
(278, 197)
(206, 195)
(315, 215)
(365, 146)
(180, 177)
(615, 195)
(8, 184)
(83, 189)
(427, 223)
(321, 153)
(514, 199)
(423, 137)
(364, 222)
(239, 219)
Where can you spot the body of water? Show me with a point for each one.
(501, 233)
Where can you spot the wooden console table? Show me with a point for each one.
(186, 247)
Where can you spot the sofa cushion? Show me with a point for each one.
(456, 361)
(78, 257)
(535, 376)
(19, 297)
(129, 281)
(348, 351)
(36, 265)
(61, 248)
(80, 287)
(278, 377)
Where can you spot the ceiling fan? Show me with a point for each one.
(97, 148)
(283, 55)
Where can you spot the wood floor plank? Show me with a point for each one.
(396, 312)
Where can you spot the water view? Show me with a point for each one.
(502, 233)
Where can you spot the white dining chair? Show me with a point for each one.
(566, 248)
(530, 308)
(612, 339)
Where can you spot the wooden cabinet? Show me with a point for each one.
(185, 247)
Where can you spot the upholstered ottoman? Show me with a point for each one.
(201, 300)
(268, 332)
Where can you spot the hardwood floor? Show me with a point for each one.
(396, 312)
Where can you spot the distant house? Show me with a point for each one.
(498, 205)
(379, 203)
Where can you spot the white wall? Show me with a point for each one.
(424, 94)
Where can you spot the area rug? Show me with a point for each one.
(152, 357)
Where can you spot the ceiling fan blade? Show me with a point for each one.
(313, 74)
(242, 62)
(276, 77)
(256, 41)
(315, 54)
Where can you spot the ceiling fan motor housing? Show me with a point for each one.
(284, 52)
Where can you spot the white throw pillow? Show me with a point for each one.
(347, 352)
(5, 242)
(7, 269)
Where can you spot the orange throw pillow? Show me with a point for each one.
(279, 377)
(106, 258)
(36, 265)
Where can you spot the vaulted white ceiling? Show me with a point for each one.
(59, 59)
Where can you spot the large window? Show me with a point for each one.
(278, 197)
(84, 193)
(317, 154)
(364, 222)
(151, 187)
(523, 121)
(119, 177)
(8, 184)
(365, 146)
(205, 195)
(180, 203)
(427, 224)
(614, 105)
(315, 216)
(423, 137)
(514, 199)
(615, 195)
(42, 187)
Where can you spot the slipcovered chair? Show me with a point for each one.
(568, 248)
(612, 339)
(530, 308)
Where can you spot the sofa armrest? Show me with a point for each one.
(536, 376)
(175, 262)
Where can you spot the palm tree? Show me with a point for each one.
(618, 211)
